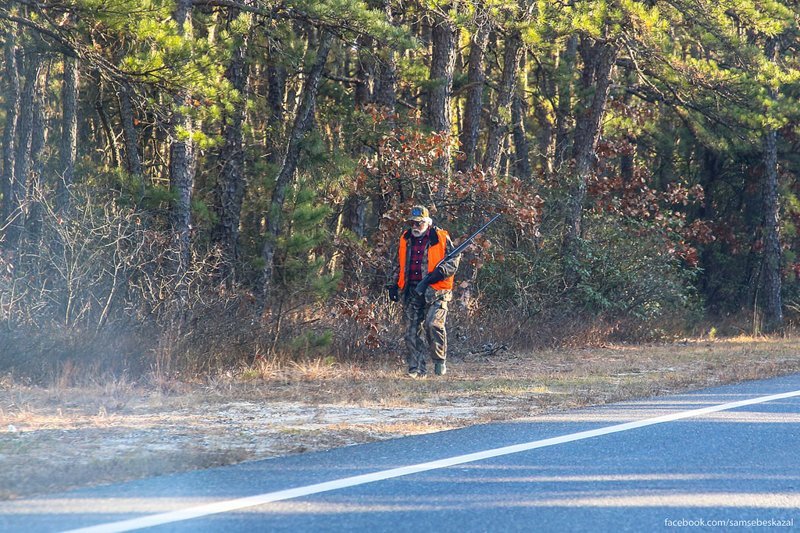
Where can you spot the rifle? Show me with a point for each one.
(460, 248)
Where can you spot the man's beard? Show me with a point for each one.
(418, 232)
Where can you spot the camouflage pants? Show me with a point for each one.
(425, 328)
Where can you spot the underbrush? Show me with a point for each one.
(105, 292)
(223, 336)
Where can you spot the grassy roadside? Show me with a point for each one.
(67, 436)
(553, 379)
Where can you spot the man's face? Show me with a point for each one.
(418, 228)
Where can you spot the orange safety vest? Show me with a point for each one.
(436, 253)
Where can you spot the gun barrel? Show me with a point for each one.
(460, 248)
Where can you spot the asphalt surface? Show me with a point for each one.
(649, 465)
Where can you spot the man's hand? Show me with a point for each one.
(394, 292)
(432, 277)
(421, 286)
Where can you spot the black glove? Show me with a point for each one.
(433, 277)
(394, 292)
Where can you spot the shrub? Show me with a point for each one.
(626, 275)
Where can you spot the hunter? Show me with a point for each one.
(424, 282)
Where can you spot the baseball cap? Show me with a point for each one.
(419, 213)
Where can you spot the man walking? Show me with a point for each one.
(424, 283)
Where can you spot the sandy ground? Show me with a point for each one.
(62, 437)
(48, 445)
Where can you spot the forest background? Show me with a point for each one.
(197, 185)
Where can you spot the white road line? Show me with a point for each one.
(260, 499)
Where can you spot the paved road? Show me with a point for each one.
(722, 459)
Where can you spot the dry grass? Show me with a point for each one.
(111, 430)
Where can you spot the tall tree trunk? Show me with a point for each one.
(773, 305)
(498, 124)
(38, 142)
(254, 220)
(564, 72)
(22, 160)
(133, 160)
(365, 70)
(545, 123)
(354, 211)
(385, 95)
(276, 94)
(69, 132)
(476, 80)
(664, 166)
(100, 105)
(385, 90)
(522, 160)
(711, 168)
(183, 158)
(443, 61)
(598, 61)
(355, 207)
(627, 159)
(231, 183)
(291, 155)
(10, 130)
(771, 266)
